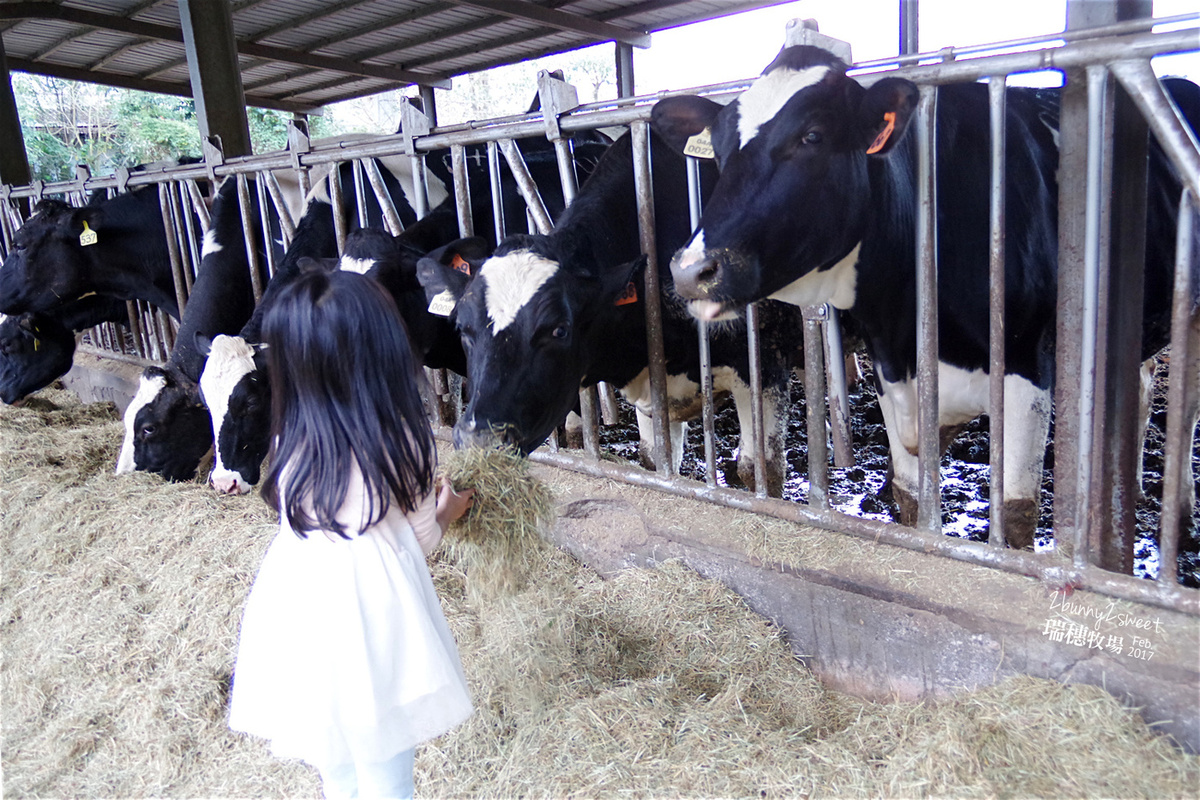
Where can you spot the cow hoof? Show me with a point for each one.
(1020, 523)
(572, 436)
(907, 505)
(745, 474)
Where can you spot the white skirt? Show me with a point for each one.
(345, 654)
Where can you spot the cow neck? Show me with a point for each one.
(131, 264)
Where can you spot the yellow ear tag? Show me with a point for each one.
(442, 305)
(881, 139)
(88, 236)
(700, 145)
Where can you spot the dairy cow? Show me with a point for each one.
(816, 203)
(168, 430)
(37, 347)
(546, 314)
(236, 370)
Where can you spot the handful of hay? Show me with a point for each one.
(503, 529)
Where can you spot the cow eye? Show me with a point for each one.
(812, 137)
(148, 431)
(560, 332)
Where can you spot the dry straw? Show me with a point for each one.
(120, 604)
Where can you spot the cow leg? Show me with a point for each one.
(774, 428)
(573, 431)
(1026, 426)
(1145, 399)
(676, 430)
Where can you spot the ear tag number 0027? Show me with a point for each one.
(700, 145)
(88, 236)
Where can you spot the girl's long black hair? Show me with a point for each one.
(344, 391)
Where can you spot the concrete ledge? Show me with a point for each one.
(887, 624)
(95, 379)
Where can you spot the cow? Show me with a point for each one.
(37, 347)
(168, 429)
(547, 314)
(236, 370)
(816, 204)
(116, 247)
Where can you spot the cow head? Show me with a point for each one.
(34, 350)
(793, 196)
(47, 264)
(526, 318)
(234, 385)
(167, 427)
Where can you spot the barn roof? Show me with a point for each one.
(298, 55)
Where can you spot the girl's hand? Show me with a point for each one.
(451, 504)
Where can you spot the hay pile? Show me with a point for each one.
(499, 540)
(121, 598)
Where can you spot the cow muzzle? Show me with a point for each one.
(468, 434)
(700, 277)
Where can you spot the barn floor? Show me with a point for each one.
(120, 600)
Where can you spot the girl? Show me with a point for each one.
(345, 659)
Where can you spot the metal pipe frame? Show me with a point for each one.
(265, 221)
(929, 504)
(814, 405)
(708, 407)
(996, 274)
(338, 200)
(247, 210)
(181, 284)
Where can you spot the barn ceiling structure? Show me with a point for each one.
(299, 55)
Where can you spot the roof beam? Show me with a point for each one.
(130, 82)
(42, 10)
(520, 9)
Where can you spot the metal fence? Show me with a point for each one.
(1093, 62)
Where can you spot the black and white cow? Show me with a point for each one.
(52, 262)
(546, 314)
(168, 429)
(816, 203)
(38, 347)
(236, 371)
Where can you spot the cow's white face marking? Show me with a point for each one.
(148, 389)
(510, 281)
(359, 265)
(760, 103)
(211, 245)
(835, 285)
(230, 359)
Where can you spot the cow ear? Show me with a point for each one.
(203, 343)
(81, 219)
(884, 113)
(438, 280)
(677, 119)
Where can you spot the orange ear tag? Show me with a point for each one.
(628, 295)
(460, 264)
(882, 138)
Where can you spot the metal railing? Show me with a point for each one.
(1122, 51)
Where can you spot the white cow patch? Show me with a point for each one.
(510, 282)
(230, 359)
(360, 265)
(148, 389)
(835, 285)
(211, 245)
(760, 103)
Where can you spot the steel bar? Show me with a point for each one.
(125, 358)
(264, 218)
(338, 201)
(1097, 83)
(497, 196)
(929, 516)
(1052, 572)
(287, 226)
(135, 327)
(643, 182)
(164, 202)
(566, 170)
(1177, 468)
(247, 209)
(199, 207)
(814, 403)
(360, 194)
(195, 247)
(526, 186)
(757, 422)
(188, 265)
(391, 219)
(708, 412)
(997, 105)
(420, 202)
(1173, 133)
(835, 388)
(462, 191)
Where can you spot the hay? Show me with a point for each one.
(499, 539)
(121, 598)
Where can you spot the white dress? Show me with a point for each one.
(345, 655)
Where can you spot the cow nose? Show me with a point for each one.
(695, 274)
(468, 434)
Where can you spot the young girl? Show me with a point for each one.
(345, 659)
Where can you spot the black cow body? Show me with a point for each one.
(540, 318)
(168, 429)
(817, 203)
(49, 266)
(38, 347)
